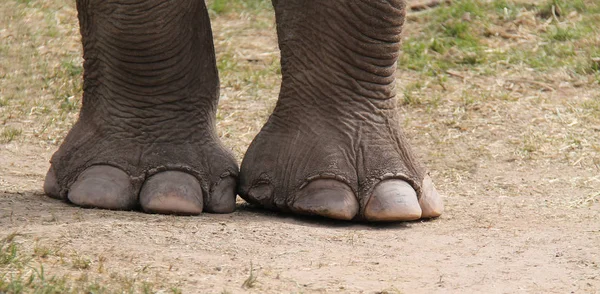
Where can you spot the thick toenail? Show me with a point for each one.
(393, 200)
(431, 202)
(262, 193)
(103, 186)
(328, 198)
(51, 187)
(172, 192)
(222, 198)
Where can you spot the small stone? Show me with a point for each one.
(466, 17)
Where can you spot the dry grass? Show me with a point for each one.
(40, 69)
(506, 78)
(24, 269)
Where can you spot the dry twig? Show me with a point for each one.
(524, 81)
(428, 5)
(456, 74)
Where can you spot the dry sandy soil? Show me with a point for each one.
(519, 171)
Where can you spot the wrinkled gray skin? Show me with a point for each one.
(146, 138)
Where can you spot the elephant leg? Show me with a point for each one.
(332, 146)
(145, 137)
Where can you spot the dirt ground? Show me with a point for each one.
(519, 172)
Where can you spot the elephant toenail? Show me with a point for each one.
(222, 198)
(262, 193)
(431, 202)
(172, 192)
(393, 200)
(51, 187)
(103, 186)
(328, 198)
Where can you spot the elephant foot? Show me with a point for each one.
(336, 172)
(167, 192)
(333, 146)
(146, 138)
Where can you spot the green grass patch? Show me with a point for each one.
(561, 8)
(42, 251)
(248, 75)
(81, 263)
(9, 134)
(465, 35)
(72, 68)
(562, 34)
(24, 270)
(236, 6)
(593, 106)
